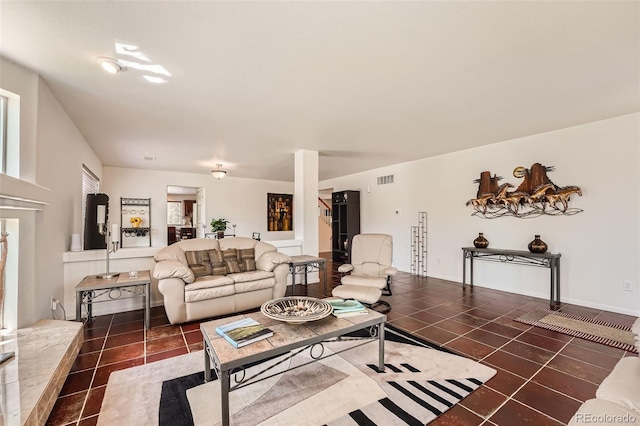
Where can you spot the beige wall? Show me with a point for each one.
(600, 247)
(52, 152)
(241, 201)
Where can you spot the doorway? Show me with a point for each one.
(324, 221)
(185, 213)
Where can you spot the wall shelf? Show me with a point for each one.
(130, 236)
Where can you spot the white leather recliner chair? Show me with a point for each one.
(371, 271)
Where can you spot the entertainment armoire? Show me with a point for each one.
(345, 223)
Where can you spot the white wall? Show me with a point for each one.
(52, 152)
(242, 201)
(600, 246)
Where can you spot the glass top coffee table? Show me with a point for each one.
(286, 338)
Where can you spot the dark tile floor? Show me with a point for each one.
(542, 378)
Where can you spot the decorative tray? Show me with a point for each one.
(296, 309)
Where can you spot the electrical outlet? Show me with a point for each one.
(626, 286)
(54, 303)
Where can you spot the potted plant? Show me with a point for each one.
(219, 226)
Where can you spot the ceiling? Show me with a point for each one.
(366, 84)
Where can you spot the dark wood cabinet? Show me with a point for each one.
(172, 236)
(345, 223)
(185, 233)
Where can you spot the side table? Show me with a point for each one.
(305, 263)
(96, 290)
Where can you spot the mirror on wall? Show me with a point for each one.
(185, 213)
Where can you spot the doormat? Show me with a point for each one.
(616, 335)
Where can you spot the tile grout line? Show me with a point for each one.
(95, 371)
(528, 380)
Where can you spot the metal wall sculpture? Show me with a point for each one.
(419, 246)
(537, 195)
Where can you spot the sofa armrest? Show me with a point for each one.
(173, 269)
(268, 261)
(347, 267)
(391, 271)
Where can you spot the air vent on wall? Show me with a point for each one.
(383, 180)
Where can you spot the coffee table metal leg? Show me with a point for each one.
(207, 362)
(79, 295)
(224, 394)
(381, 346)
(324, 269)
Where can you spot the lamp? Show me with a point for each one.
(218, 173)
(110, 236)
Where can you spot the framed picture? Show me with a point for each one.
(256, 236)
(279, 212)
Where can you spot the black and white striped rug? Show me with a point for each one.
(420, 382)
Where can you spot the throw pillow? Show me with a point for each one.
(247, 259)
(199, 262)
(217, 262)
(230, 257)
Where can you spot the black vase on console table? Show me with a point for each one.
(481, 241)
(537, 245)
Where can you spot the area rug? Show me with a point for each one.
(420, 382)
(618, 336)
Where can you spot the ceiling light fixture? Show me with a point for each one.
(218, 173)
(110, 65)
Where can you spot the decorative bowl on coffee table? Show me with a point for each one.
(296, 309)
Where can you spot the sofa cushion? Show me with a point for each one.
(230, 257)
(250, 276)
(209, 293)
(209, 281)
(199, 262)
(247, 259)
(622, 385)
(217, 262)
(248, 286)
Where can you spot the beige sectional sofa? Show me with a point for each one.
(617, 400)
(202, 278)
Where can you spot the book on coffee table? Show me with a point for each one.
(347, 307)
(243, 332)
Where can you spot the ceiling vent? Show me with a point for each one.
(383, 180)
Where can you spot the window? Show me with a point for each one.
(90, 185)
(3, 134)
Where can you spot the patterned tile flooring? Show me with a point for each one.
(542, 379)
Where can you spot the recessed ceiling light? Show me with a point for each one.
(148, 158)
(110, 65)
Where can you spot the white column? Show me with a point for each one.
(305, 200)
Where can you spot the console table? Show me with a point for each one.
(542, 260)
(94, 290)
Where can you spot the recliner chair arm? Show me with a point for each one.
(347, 267)
(390, 271)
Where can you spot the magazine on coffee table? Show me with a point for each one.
(347, 308)
(243, 332)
